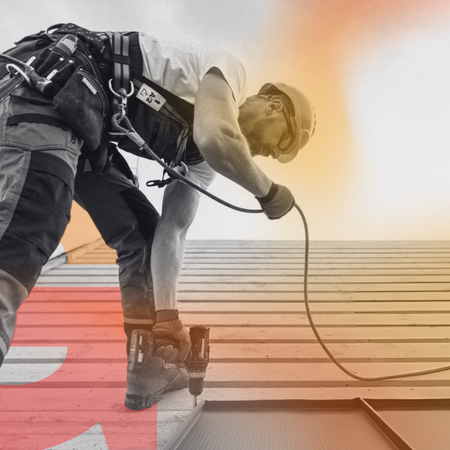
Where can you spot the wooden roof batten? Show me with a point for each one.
(382, 307)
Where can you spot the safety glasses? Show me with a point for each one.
(304, 134)
(286, 142)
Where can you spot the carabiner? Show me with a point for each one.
(120, 105)
(122, 92)
(13, 69)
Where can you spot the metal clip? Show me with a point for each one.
(14, 70)
(16, 66)
(120, 106)
(181, 169)
(159, 183)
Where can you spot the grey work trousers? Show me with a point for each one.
(127, 222)
(38, 162)
(38, 159)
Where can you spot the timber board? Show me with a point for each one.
(382, 307)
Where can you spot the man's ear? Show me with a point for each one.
(274, 105)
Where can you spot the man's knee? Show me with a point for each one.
(179, 207)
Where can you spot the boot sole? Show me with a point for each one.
(139, 402)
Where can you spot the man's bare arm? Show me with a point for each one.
(219, 137)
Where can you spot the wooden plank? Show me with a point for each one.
(267, 277)
(93, 438)
(403, 244)
(79, 334)
(13, 374)
(332, 262)
(316, 250)
(396, 258)
(254, 352)
(294, 286)
(240, 352)
(217, 245)
(244, 319)
(314, 279)
(15, 438)
(362, 260)
(249, 307)
(268, 374)
(266, 269)
(316, 255)
(289, 287)
(60, 293)
(200, 267)
(318, 296)
(38, 354)
(42, 424)
(319, 374)
(174, 402)
(314, 271)
(319, 252)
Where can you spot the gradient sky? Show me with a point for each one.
(378, 74)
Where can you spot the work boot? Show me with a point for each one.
(148, 377)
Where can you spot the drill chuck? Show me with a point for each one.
(196, 385)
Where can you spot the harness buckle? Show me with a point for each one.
(159, 183)
(121, 99)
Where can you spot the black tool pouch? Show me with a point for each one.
(77, 90)
(54, 65)
(82, 103)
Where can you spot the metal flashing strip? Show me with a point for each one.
(390, 433)
(348, 424)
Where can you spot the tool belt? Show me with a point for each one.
(71, 78)
(80, 92)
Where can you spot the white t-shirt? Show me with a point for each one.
(179, 67)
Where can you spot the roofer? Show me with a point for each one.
(189, 104)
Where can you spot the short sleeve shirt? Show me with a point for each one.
(179, 67)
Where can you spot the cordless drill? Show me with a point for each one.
(197, 360)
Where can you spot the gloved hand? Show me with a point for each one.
(173, 336)
(278, 202)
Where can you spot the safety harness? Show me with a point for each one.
(115, 61)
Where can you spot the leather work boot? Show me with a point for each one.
(148, 377)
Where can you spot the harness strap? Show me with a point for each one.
(93, 38)
(172, 99)
(37, 118)
(120, 49)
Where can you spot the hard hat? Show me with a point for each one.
(301, 112)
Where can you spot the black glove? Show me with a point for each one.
(278, 202)
(171, 337)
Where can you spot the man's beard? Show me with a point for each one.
(254, 147)
(253, 140)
